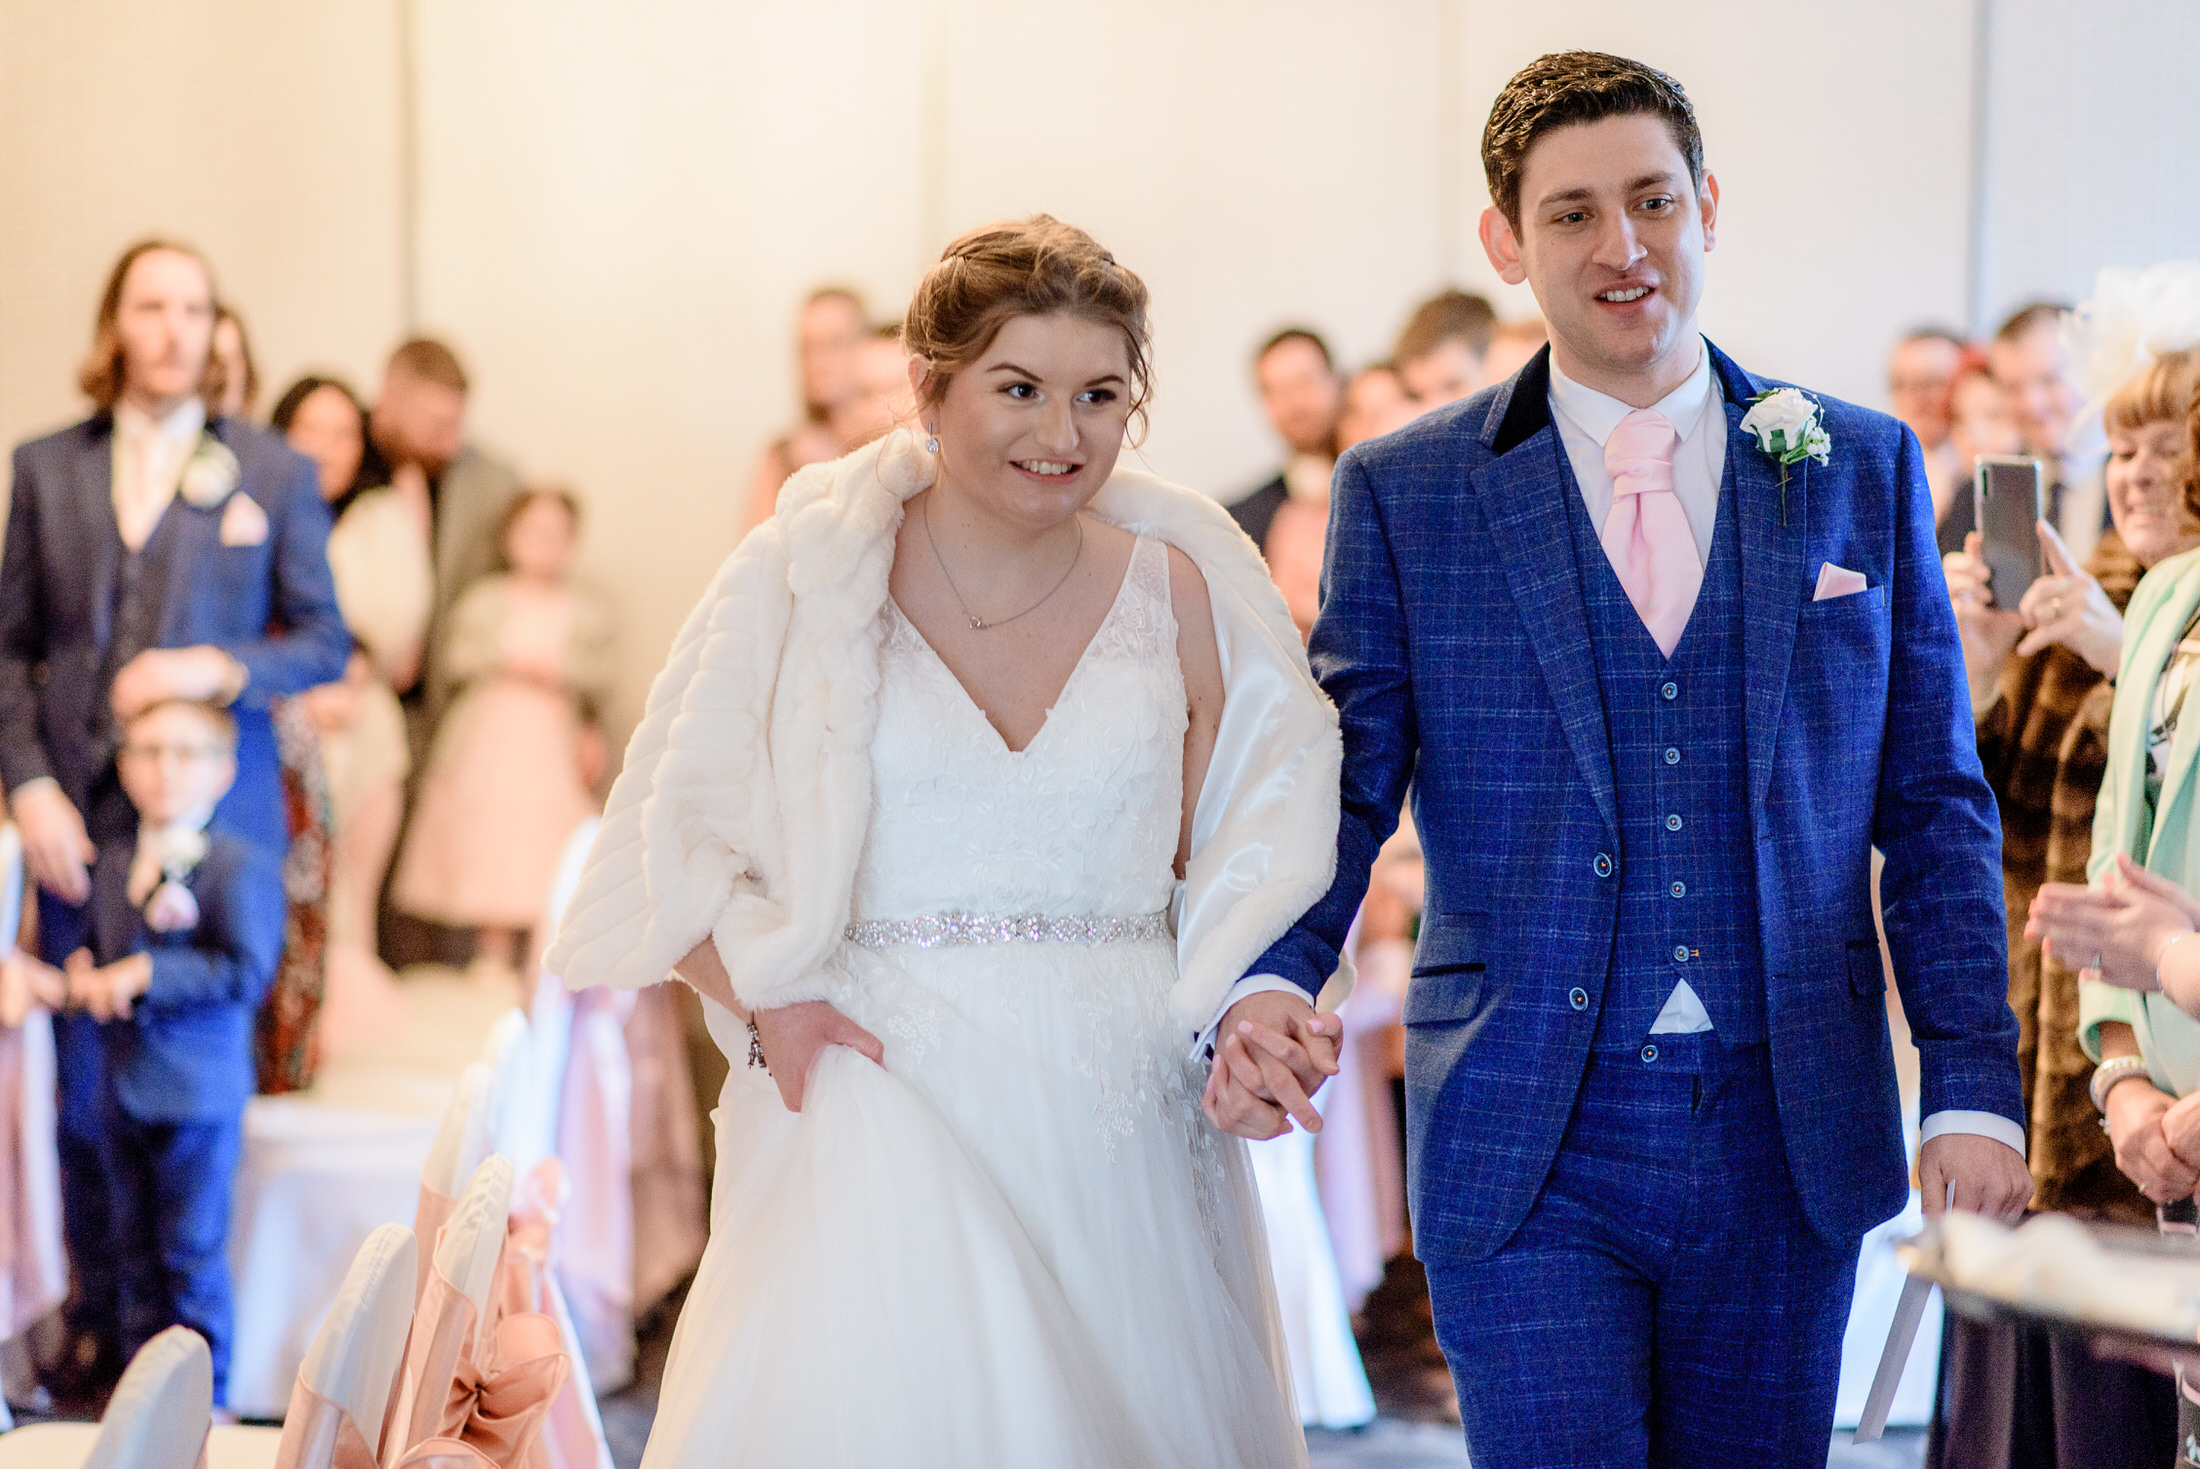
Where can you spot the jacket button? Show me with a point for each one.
(1680, 890)
(1670, 691)
(1649, 1053)
(1672, 823)
(1603, 864)
(1672, 756)
(1578, 998)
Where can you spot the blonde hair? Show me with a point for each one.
(1028, 267)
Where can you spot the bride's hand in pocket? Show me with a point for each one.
(793, 1035)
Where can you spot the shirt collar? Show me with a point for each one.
(1597, 414)
(181, 424)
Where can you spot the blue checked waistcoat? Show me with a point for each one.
(1455, 638)
(1680, 775)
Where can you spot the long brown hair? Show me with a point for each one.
(1026, 267)
(101, 375)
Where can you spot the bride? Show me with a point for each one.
(978, 778)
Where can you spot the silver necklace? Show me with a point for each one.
(977, 623)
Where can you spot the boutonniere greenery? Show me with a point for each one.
(1789, 425)
(210, 475)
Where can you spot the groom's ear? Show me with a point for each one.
(1708, 197)
(1503, 246)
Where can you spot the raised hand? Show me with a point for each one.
(1272, 1053)
(793, 1035)
(2119, 929)
(2067, 606)
(1988, 633)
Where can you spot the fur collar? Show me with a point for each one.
(743, 804)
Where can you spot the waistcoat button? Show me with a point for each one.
(1680, 890)
(1672, 756)
(1670, 691)
(1680, 953)
(1672, 823)
(1578, 998)
(1649, 1053)
(1603, 865)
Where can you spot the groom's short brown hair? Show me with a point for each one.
(1569, 87)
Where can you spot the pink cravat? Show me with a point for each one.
(1647, 536)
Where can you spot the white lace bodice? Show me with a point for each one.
(1082, 821)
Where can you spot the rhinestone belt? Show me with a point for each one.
(954, 930)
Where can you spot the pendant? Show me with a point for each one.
(977, 625)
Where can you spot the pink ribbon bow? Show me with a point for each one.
(491, 1416)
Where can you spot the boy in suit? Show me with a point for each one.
(172, 956)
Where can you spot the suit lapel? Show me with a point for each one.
(1772, 569)
(93, 494)
(1522, 493)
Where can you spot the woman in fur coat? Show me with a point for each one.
(972, 788)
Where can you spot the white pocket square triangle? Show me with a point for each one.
(1837, 581)
(244, 523)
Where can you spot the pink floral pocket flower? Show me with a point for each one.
(171, 909)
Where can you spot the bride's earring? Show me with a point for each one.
(931, 443)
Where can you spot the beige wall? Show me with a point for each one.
(618, 208)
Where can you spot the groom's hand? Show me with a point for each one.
(1272, 1053)
(1987, 1177)
(794, 1035)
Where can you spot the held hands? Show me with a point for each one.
(1977, 1174)
(203, 673)
(1272, 1053)
(2067, 606)
(793, 1035)
(2127, 922)
(27, 981)
(2157, 1139)
(56, 848)
(107, 991)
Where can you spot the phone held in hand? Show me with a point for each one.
(2011, 500)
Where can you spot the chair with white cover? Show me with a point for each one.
(510, 1061)
(342, 1395)
(462, 1142)
(157, 1419)
(461, 1272)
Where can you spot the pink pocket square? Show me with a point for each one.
(244, 523)
(1837, 581)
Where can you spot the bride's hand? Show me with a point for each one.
(1272, 1053)
(793, 1035)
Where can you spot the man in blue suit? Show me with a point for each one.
(152, 553)
(1651, 1097)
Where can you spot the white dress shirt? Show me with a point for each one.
(1584, 419)
(149, 455)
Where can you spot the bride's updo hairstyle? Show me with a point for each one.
(1027, 267)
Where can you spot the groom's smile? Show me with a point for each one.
(1611, 235)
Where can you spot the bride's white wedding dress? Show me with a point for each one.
(1020, 1243)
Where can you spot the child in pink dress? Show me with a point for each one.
(529, 653)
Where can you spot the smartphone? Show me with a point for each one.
(2011, 500)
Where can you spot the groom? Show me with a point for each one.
(1656, 700)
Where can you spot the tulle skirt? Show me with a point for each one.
(1018, 1244)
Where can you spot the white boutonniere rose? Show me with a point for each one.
(210, 475)
(1789, 425)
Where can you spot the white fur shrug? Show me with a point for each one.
(742, 809)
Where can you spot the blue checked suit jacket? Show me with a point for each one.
(1454, 641)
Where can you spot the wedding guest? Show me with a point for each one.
(1443, 353)
(240, 372)
(2039, 678)
(1920, 373)
(529, 654)
(1511, 345)
(833, 327)
(2029, 359)
(882, 397)
(1303, 398)
(174, 953)
(1375, 403)
(379, 555)
(418, 432)
(149, 551)
(1980, 422)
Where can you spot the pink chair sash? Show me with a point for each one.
(442, 1332)
(572, 1435)
(429, 1216)
(491, 1414)
(319, 1434)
